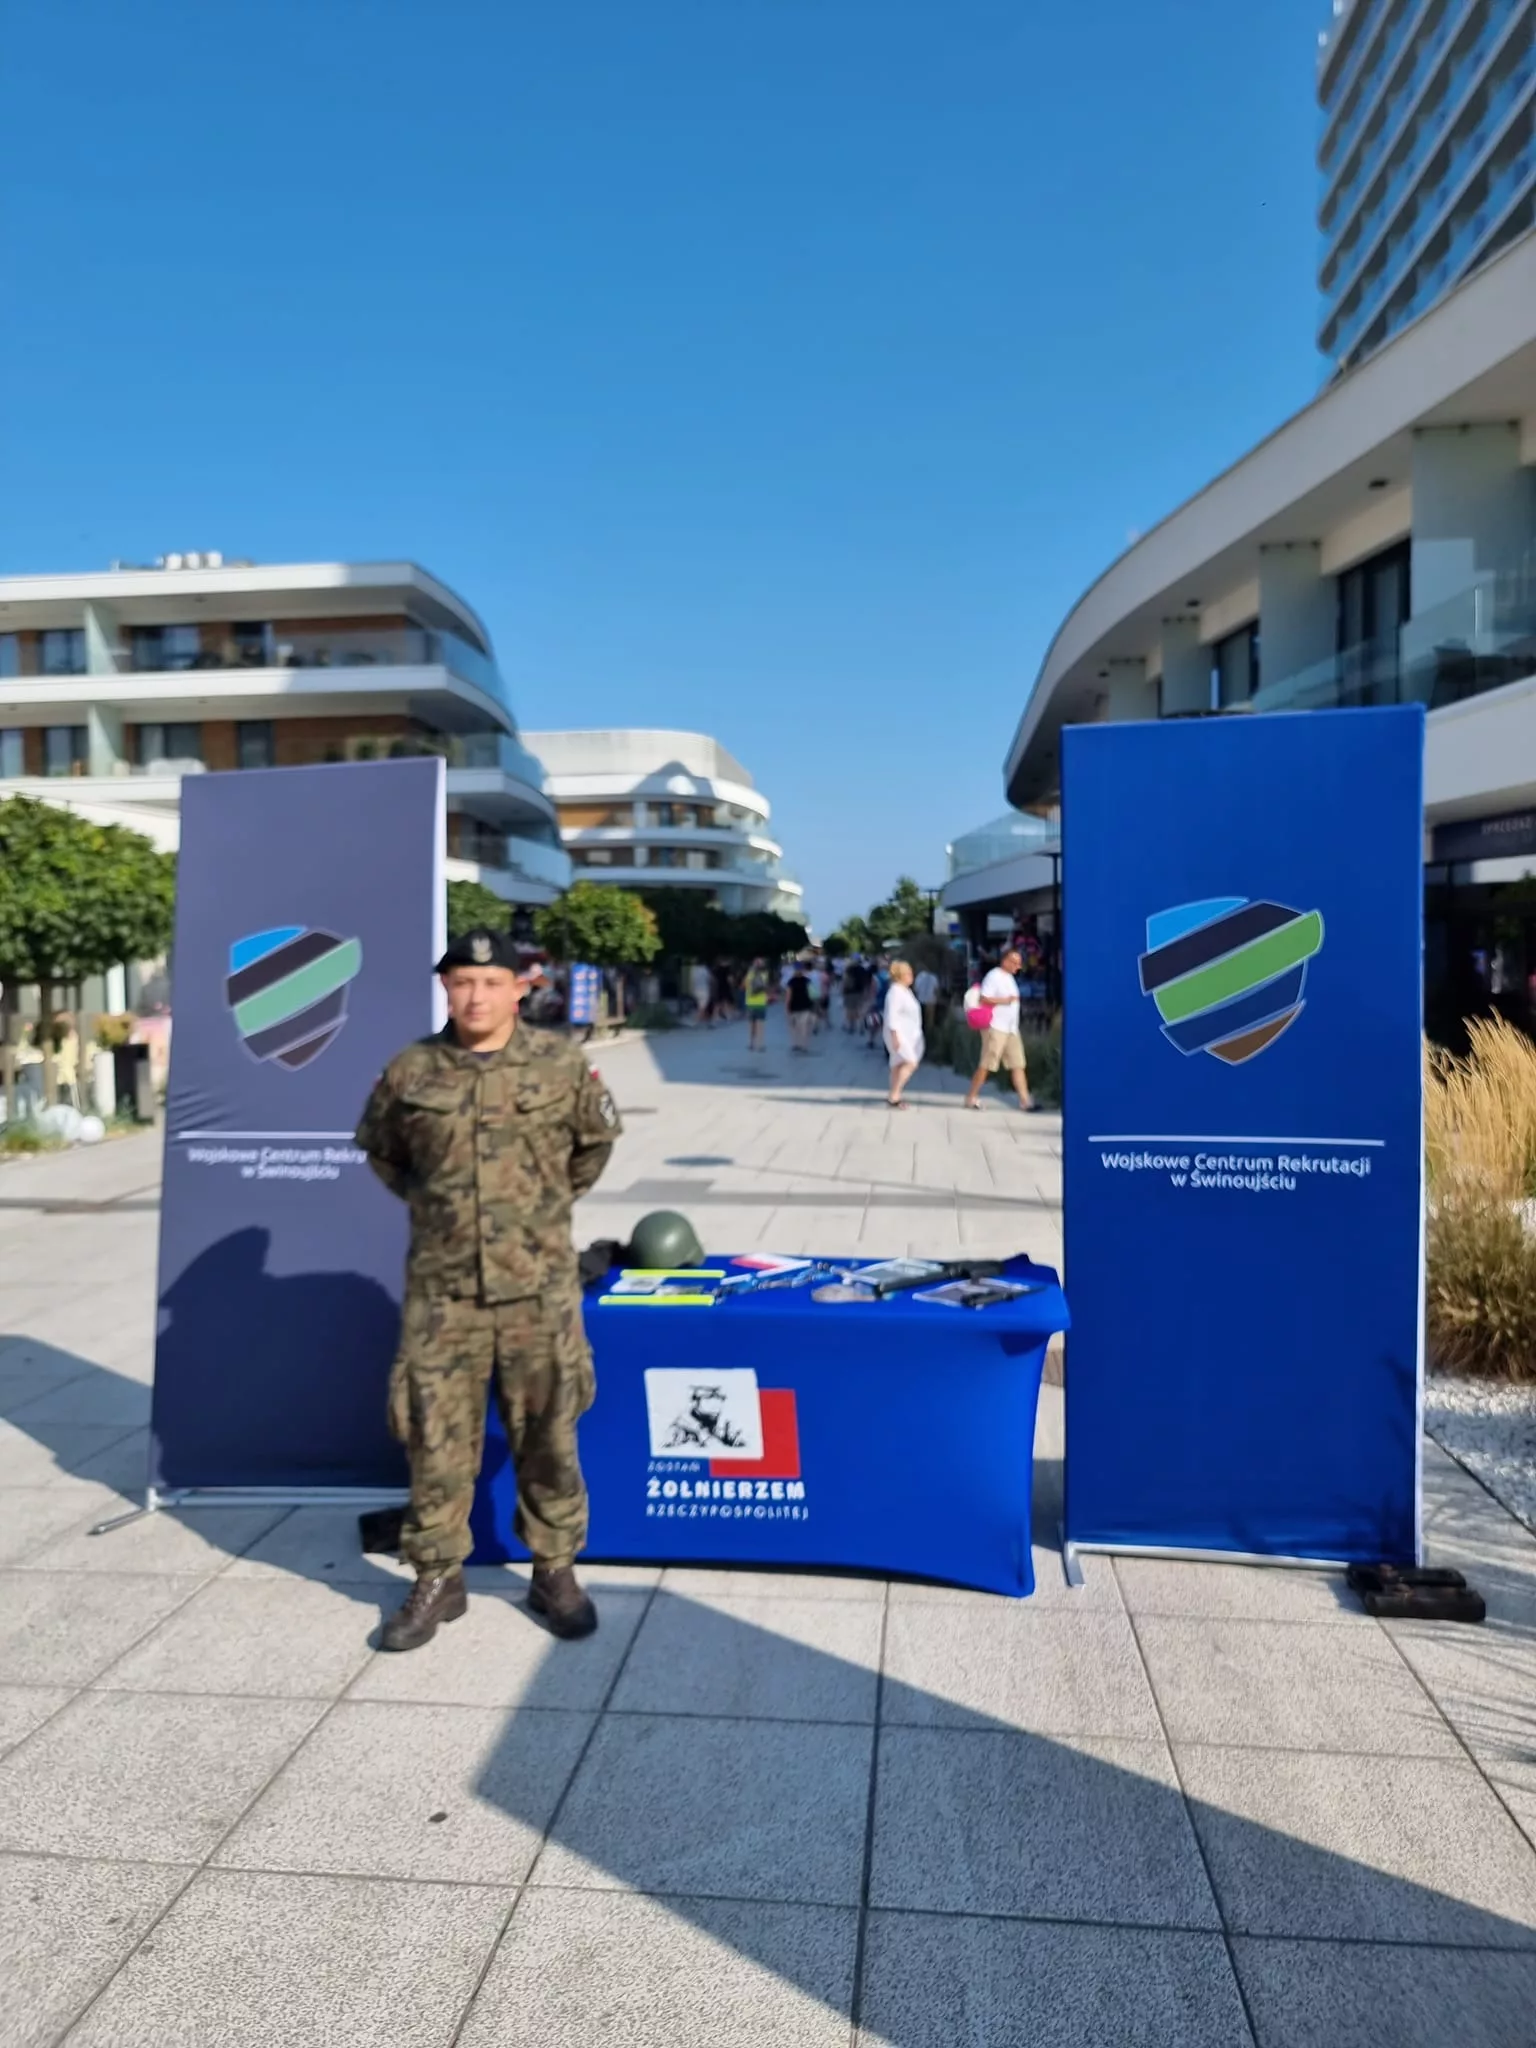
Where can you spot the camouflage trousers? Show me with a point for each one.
(535, 1353)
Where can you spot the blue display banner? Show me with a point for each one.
(887, 1436)
(309, 910)
(584, 988)
(1242, 1146)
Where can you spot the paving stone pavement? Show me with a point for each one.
(1192, 1804)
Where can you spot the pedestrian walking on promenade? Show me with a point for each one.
(903, 1031)
(701, 984)
(755, 993)
(855, 992)
(488, 1132)
(821, 984)
(1001, 1045)
(798, 1004)
(724, 1004)
(874, 1011)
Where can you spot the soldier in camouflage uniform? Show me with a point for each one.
(489, 1132)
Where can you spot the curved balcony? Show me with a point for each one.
(438, 695)
(718, 837)
(1006, 838)
(762, 875)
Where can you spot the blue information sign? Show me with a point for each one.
(1242, 1148)
(309, 910)
(584, 986)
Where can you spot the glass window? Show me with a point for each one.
(255, 743)
(158, 648)
(252, 644)
(13, 752)
(65, 749)
(64, 652)
(10, 655)
(1236, 666)
(169, 743)
(1373, 605)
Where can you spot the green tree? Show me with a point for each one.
(906, 910)
(471, 905)
(600, 924)
(77, 898)
(687, 923)
(855, 935)
(691, 928)
(763, 933)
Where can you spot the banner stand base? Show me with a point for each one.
(1072, 1552)
(359, 1498)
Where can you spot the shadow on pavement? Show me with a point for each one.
(952, 1879)
(708, 1799)
(268, 1337)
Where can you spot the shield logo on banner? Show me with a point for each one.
(1228, 975)
(288, 989)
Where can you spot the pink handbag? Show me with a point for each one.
(977, 1013)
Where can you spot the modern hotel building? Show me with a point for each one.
(663, 810)
(1426, 156)
(1380, 546)
(114, 686)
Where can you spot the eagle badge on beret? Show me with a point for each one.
(480, 948)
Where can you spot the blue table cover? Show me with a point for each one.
(772, 1429)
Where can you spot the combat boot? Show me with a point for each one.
(437, 1596)
(556, 1597)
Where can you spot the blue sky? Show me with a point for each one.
(778, 368)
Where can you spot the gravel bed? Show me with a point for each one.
(1491, 1427)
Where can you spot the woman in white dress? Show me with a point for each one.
(903, 1031)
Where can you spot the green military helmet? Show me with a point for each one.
(665, 1241)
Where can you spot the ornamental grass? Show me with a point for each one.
(1480, 1151)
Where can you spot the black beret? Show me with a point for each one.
(481, 948)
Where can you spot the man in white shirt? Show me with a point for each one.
(1001, 1045)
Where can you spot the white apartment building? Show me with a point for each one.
(116, 685)
(1427, 155)
(664, 810)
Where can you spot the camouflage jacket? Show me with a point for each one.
(490, 1153)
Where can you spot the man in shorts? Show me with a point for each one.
(1001, 1045)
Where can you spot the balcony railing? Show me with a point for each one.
(1005, 839)
(360, 646)
(491, 750)
(1479, 640)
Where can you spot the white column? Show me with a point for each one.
(1474, 509)
(106, 745)
(1298, 611)
(1127, 693)
(101, 641)
(1186, 683)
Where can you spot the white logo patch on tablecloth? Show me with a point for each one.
(704, 1414)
